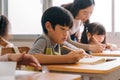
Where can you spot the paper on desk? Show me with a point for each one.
(7, 69)
(112, 52)
(93, 60)
(7, 77)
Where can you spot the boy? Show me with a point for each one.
(56, 23)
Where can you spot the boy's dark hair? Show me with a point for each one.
(3, 25)
(56, 15)
(93, 28)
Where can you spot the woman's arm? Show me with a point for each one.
(86, 47)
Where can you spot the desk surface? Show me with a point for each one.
(29, 75)
(102, 68)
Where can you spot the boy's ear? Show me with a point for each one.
(48, 26)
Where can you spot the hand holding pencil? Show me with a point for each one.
(80, 51)
(98, 43)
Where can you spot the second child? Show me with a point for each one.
(95, 33)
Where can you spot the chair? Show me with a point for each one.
(23, 49)
(3, 43)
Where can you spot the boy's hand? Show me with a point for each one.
(76, 54)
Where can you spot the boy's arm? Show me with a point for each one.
(71, 57)
(53, 59)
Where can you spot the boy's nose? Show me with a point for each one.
(66, 33)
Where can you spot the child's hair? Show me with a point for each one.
(4, 23)
(57, 15)
(93, 28)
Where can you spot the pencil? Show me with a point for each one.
(95, 40)
(68, 48)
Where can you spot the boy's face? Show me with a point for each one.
(59, 34)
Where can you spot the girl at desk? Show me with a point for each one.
(95, 33)
(21, 59)
(4, 32)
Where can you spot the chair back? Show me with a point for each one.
(23, 49)
(3, 43)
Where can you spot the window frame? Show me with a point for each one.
(4, 11)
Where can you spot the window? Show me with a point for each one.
(25, 16)
(102, 13)
(117, 16)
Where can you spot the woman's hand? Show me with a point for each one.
(111, 46)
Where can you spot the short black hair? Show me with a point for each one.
(4, 22)
(57, 15)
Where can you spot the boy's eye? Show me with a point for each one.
(62, 29)
(65, 29)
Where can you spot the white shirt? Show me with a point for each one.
(77, 27)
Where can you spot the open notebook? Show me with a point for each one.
(112, 52)
(93, 60)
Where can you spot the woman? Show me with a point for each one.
(81, 11)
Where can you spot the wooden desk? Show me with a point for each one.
(108, 53)
(28, 75)
(103, 71)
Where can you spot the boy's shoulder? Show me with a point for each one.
(43, 39)
(43, 36)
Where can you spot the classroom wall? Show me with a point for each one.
(23, 43)
(23, 40)
(113, 39)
